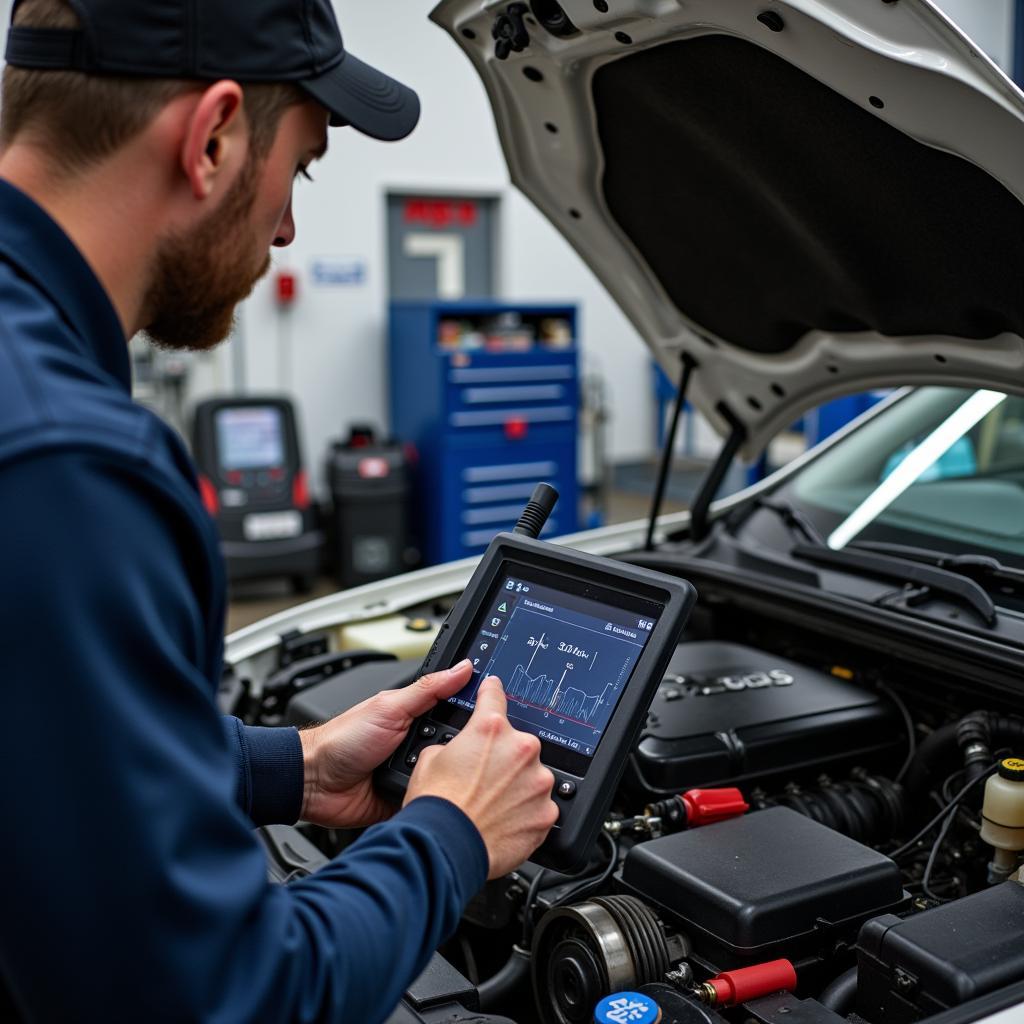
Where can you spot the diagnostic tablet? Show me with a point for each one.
(580, 644)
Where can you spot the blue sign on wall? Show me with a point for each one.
(338, 272)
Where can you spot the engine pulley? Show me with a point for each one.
(584, 952)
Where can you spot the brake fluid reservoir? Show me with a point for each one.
(1002, 821)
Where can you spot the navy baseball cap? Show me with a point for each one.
(246, 40)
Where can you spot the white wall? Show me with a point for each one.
(988, 22)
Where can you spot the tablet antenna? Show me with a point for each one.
(537, 510)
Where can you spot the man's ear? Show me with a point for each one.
(215, 139)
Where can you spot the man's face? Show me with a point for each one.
(201, 276)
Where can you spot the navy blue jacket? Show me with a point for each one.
(133, 886)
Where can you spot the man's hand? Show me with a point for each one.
(492, 772)
(341, 755)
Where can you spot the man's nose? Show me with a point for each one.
(285, 234)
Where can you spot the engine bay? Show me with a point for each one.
(808, 829)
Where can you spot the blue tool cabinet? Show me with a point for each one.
(488, 393)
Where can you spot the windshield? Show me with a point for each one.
(943, 469)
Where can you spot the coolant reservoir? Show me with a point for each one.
(395, 634)
(1002, 817)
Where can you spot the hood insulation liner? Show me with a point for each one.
(768, 205)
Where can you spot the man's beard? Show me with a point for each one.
(200, 278)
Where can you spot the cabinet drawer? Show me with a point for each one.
(532, 389)
(487, 488)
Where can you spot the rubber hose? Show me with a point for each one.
(504, 984)
(974, 738)
(868, 808)
(839, 995)
(1007, 731)
(939, 747)
(982, 732)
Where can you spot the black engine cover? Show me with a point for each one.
(942, 958)
(772, 883)
(727, 714)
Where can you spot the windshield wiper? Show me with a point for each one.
(794, 519)
(989, 573)
(929, 572)
(928, 579)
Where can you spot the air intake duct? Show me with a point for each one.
(868, 808)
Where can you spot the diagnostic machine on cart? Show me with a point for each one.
(580, 643)
(255, 486)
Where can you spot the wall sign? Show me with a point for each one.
(441, 247)
(338, 272)
(441, 213)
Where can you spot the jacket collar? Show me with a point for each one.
(34, 243)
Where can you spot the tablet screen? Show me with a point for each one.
(564, 651)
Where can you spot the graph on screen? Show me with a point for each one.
(563, 662)
(557, 696)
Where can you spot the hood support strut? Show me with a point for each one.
(689, 365)
(716, 474)
(712, 483)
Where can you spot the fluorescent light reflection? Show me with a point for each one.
(931, 449)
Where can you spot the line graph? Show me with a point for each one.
(546, 653)
(559, 698)
(564, 660)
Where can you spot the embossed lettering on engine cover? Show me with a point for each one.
(734, 681)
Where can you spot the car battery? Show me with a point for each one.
(726, 714)
(912, 968)
(370, 489)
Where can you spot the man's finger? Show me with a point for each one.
(426, 756)
(491, 696)
(419, 698)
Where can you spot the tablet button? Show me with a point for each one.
(428, 730)
(412, 759)
(566, 789)
(448, 737)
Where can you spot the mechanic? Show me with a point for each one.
(149, 152)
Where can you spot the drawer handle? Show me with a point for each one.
(536, 393)
(498, 417)
(532, 471)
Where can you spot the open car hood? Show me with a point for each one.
(807, 198)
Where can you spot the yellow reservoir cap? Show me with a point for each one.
(1012, 768)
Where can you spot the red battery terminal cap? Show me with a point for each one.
(730, 988)
(706, 806)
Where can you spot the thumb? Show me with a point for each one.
(421, 696)
(491, 697)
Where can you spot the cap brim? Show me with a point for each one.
(367, 99)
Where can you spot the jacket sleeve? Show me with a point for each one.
(141, 893)
(268, 771)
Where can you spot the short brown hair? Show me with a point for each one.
(85, 118)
